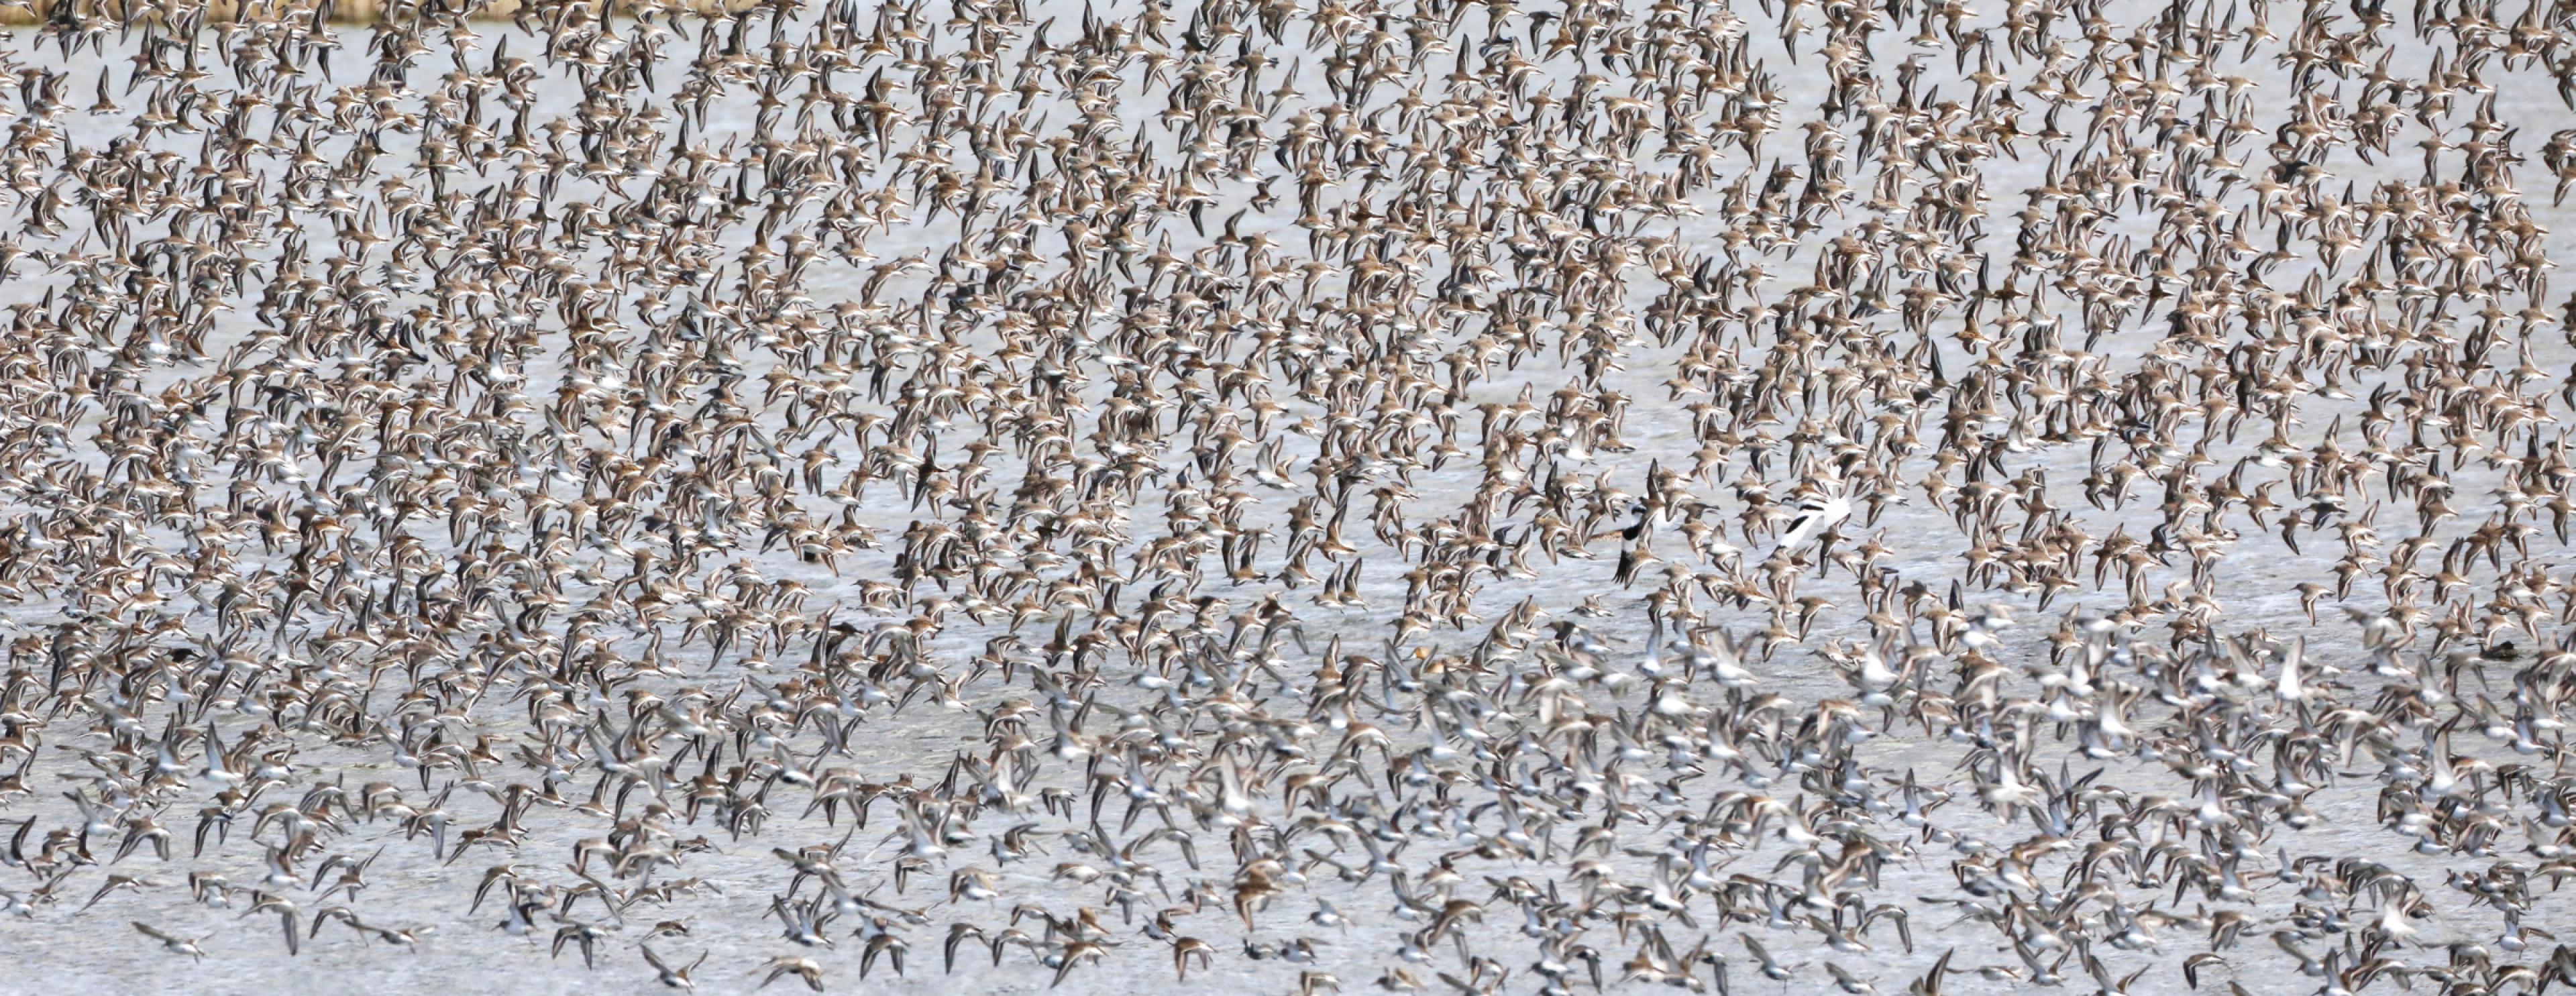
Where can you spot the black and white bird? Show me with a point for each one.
(1822, 509)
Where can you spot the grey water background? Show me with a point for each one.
(57, 952)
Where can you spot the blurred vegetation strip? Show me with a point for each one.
(206, 12)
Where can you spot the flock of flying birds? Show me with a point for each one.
(1463, 496)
